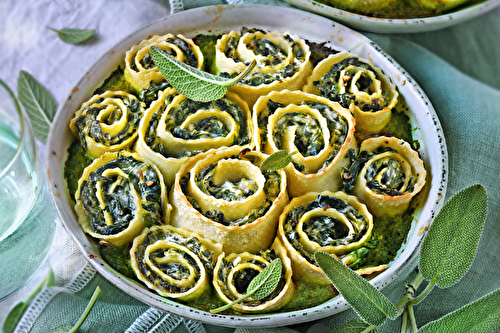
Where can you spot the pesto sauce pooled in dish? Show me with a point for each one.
(179, 203)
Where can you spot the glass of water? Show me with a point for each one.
(27, 216)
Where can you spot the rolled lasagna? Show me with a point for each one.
(386, 174)
(223, 195)
(174, 262)
(118, 195)
(283, 61)
(333, 222)
(321, 133)
(107, 122)
(357, 85)
(140, 69)
(234, 272)
(175, 128)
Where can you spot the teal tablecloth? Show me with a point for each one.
(458, 68)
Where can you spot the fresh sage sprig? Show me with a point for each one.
(191, 82)
(68, 328)
(38, 104)
(447, 252)
(18, 310)
(73, 36)
(260, 286)
(277, 160)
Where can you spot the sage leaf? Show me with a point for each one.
(277, 160)
(450, 244)
(369, 303)
(13, 317)
(261, 286)
(355, 326)
(191, 82)
(482, 315)
(38, 104)
(18, 310)
(73, 36)
(266, 281)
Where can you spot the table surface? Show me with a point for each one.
(457, 67)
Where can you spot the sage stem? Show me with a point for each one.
(411, 317)
(85, 313)
(410, 292)
(404, 322)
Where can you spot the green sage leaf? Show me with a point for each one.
(355, 326)
(191, 82)
(38, 103)
(73, 36)
(482, 315)
(277, 160)
(261, 286)
(451, 242)
(369, 303)
(266, 281)
(18, 310)
(13, 317)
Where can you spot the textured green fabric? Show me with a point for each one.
(458, 68)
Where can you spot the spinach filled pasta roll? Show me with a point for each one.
(234, 272)
(107, 122)
(223, 195)
(175, 127)
(321, 133)
(386, 174)
(140, 69)
(174, 262)
(118, 195)
(357, 85)
(333, 222)
(283, 61)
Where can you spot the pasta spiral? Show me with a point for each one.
(118, 195)
(107, 122)
(283, 61)
(357, 85)
(224, 195)
(320, 131)
(235, 271)
(333, 222)
(174, 262)
(386, 174)
(175, 127)
(140, 69)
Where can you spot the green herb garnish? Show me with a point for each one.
(38, 104)
(191, 82)
(277, 160)
(451, 242)
(18, 310)
(73, 36)
(260, 286)
(370, 304)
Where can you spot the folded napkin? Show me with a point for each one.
(456, 67)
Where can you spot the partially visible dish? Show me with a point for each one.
(425, 129)
(398, 24)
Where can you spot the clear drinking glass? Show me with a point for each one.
(27, 216)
